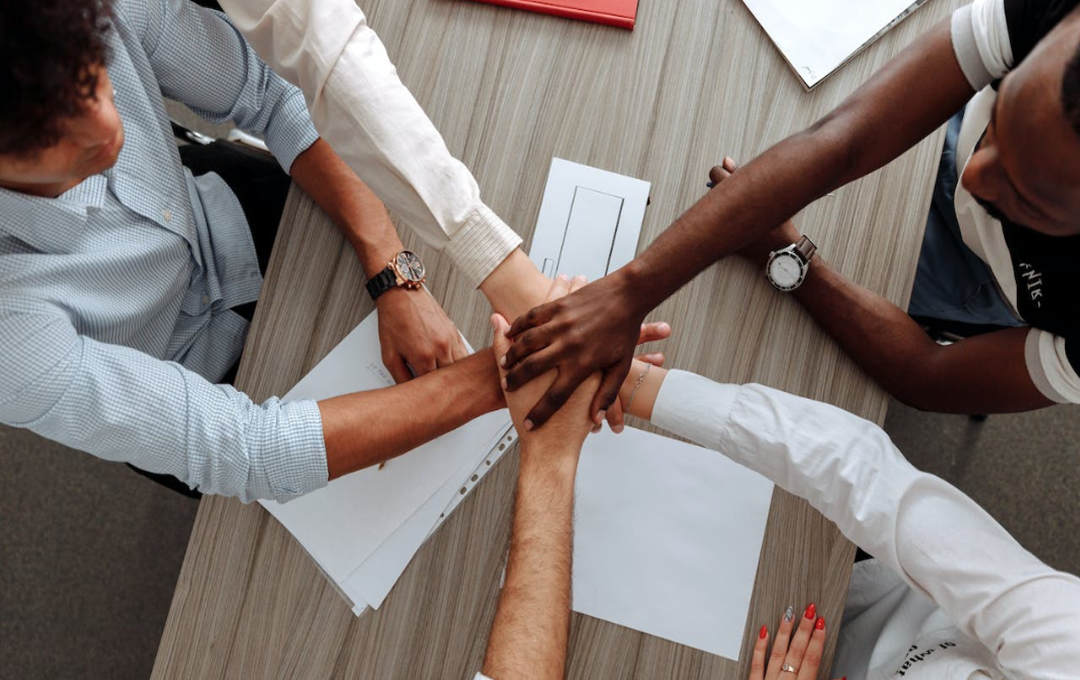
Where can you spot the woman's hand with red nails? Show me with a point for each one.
(800, 650)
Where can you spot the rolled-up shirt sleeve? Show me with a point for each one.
(363, 110)
(940, 541)
(123, 405)
(200, 59)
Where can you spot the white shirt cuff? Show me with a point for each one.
(693, 407)
(481, 245)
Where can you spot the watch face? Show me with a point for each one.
(785, 270)
(409, 266)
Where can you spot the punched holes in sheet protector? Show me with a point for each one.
(476, 477)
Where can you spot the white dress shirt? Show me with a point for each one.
(951, 594)
(360, 106)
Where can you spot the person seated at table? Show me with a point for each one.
(948, 595)
(1002, 244)
(124, 278)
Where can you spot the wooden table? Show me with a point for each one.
(509, 90)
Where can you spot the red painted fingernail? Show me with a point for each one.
(811, 611)
(764, 632)
(820, 625)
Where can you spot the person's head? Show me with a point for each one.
(58, 124)
(1027, 166)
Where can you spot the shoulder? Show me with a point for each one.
(991, 37)
(142, 19)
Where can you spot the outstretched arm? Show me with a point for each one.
(120, 404)
(593, 330)
(414, 331)
(362, 109)
(929, 532)
(529, 636)
(886, 343)
(366, 428)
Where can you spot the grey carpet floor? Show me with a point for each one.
(90, 551)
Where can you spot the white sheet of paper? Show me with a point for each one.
(341, 524)
(372, 581)
(817, 36)
(667, 537)
(590, 221)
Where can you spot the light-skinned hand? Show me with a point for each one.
(567, 429)
(801, 651)
(414, 331)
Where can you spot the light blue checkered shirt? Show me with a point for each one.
(115, 297)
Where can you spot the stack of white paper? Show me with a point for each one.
(364, 528)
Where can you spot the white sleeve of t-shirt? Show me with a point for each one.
(980, 37)
(1049, 366)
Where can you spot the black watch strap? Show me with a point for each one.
(381, 282)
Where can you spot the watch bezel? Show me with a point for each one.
(792, 252)
(406, 277)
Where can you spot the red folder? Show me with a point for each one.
(619, 13)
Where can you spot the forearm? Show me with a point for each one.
(352, 206)
(366, 428)
(529, 636)
(513, 287)
(965, 377)
(874, 125)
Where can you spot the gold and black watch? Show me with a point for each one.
(404, 271)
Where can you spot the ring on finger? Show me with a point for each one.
(788, 668)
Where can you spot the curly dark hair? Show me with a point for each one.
(48, 53)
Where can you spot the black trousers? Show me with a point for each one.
(261, 187)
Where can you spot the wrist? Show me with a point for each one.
(486, 374)
(556, 462)
(632, 287)
(375, 252)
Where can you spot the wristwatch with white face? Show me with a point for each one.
(787, 267)
(404, 271)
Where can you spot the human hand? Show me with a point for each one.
(414, 330)
(593, 329)
(793, 657)
(567, 429)
(757, 251)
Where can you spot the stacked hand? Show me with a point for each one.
(593, 329)
(415, 332)
(566, 431)
(521, 400)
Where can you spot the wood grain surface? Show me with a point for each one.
(697, 80)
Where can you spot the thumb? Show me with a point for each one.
(500, 343)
